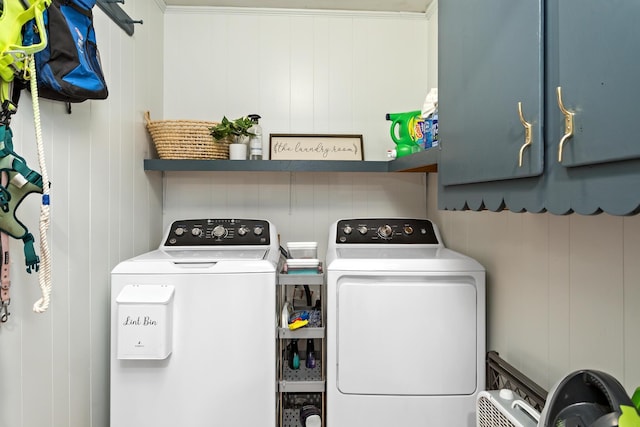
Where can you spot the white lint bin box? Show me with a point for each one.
(145, 322)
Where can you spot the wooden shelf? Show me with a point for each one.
(425, 161)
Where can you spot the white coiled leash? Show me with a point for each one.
(44, 273)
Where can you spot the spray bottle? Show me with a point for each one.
(407, 132)
(255, 142)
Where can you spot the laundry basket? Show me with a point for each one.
(185, 139)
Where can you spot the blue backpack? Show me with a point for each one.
(69, 68)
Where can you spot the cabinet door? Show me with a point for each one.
(592, 54)
(597, 48)
(490, 59)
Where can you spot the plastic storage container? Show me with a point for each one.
(145, 322)
(303, 249)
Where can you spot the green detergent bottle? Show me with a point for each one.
(407, 131)
(636, 399)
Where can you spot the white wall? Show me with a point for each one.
(563, 291)
(301, 205)
(303, 72)
(104, 208)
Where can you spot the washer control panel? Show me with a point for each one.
(218, 232)
(386, 230)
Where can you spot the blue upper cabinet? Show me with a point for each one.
(585, 154)
(593, 55)
(490, 68)
(594, 51)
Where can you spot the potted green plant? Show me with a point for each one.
(236, 133)
(237, 129)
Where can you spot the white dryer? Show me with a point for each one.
(405, 326)
(193, 328)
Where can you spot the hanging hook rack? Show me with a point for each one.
(117, 15)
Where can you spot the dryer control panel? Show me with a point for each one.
(218, 232)
(385, 231)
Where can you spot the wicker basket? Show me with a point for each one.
(185, 139)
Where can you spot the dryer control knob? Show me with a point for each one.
(196, 231)
(385, 231)
(258, 231)
(363, 229)
(408, 230)
(219, 231)
(242, 231)
(347, 229)
(178, 231)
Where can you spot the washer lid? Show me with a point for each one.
(388, 252)
(205, 255)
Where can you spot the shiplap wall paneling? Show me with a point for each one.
(558, 322)
(631, 295)
(302, 71)
(596, 292)
(302, 206)
(104, 208)
(562, 290)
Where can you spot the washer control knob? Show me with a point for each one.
(408, 230)
(258, 230)
(196, 231)
(347, 229)
(242, 231)
(219, 231)
(178, 231)
(363, 229)
(385, 231)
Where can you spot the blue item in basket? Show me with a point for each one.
(299, 315)
(315, 319)
(431, 131)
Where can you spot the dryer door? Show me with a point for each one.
(407, 335)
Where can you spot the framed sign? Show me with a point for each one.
(315, 147)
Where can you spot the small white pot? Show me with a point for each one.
(237, 151)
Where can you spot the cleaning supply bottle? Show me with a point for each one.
(430, 116)
(636, 398)
(431, 130)
(434, 128)
(255, 142)
(294, 356)
(310, 361)
(407, 132)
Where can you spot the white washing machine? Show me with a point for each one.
(193, 328)
(405, 326)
